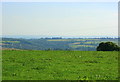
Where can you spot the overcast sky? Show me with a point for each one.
(60, 18)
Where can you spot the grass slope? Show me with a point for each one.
(59, 65)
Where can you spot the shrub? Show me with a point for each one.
(108, 46)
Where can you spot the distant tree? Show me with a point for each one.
(68, 49)
(48, 49)
(108, 46)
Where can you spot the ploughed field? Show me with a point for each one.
(59, 65)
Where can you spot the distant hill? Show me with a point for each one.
(49, 36)
(88, 44)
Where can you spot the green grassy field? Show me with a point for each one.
(59, 65)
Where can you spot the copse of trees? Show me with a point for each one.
(108, 46)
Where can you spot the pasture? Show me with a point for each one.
(59, 65)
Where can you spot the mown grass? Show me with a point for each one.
(76, 46)
(10, 41)
(59, 65)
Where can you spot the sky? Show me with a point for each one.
(60, 18)
(59, 0)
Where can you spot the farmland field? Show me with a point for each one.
(59, 65)
(88, 44)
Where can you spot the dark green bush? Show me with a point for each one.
(108, 46)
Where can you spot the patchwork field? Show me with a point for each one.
(85, 44)
(59, 65)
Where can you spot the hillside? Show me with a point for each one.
(59, 65)
(88, 44)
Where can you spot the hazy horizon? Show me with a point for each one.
(60, 18)
(50, 36)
